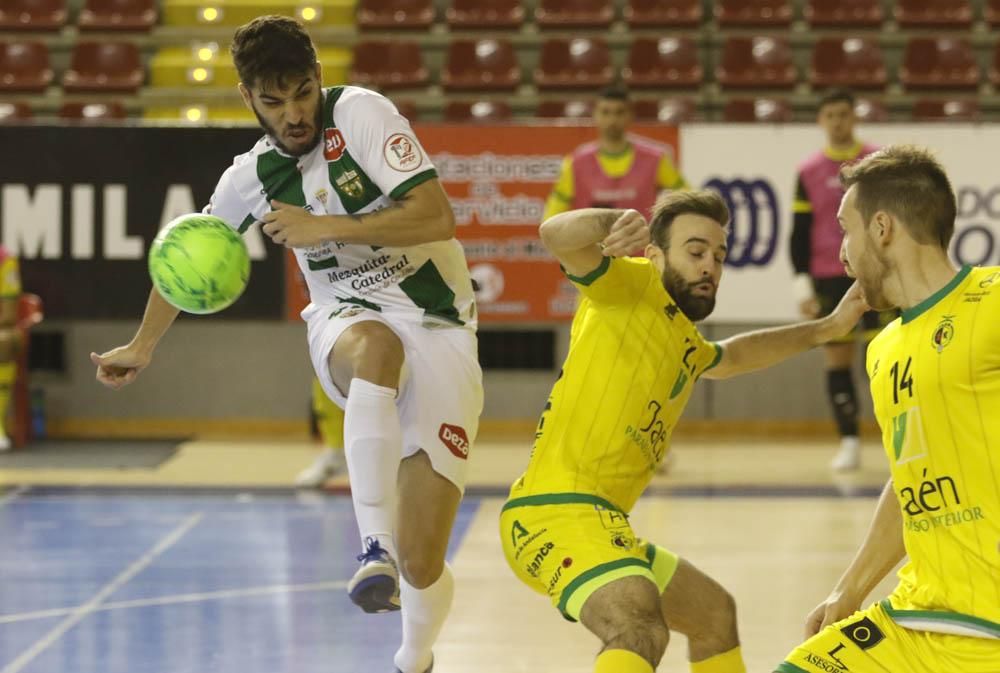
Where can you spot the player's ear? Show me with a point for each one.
(319, 73)
(883, 228)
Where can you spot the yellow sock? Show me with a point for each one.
(621, 661)
(727, 662)
(329, 417)
(8, 370)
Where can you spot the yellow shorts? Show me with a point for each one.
(569, 545)
(870, 642)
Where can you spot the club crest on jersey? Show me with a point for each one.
(333, 144)
(402, 153)
(349, 182)
(322, 196)
(943, 334)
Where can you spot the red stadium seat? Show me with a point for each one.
(939, 63)
(854, 62)
(991, 12)
(844, 13)
(933, 13)
(488, 65)
(396, 64)
(117, 15)
(24, 66)
(668, 111)
(32, 14)
(561, 14)
(92, 111)
(579, 63)
(395, 14)
(568, 109)
(756, 62)
(663, 13)
(485, 14)
(954, 110)
(666, 62)
(870, 110)
(771, 110)
(753, 13)
(11, 113)
(104, 66)
(995, 66)
(482, 111)
(407, 108)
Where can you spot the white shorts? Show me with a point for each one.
(440, 391)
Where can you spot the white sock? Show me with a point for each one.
(424, 612)
(373, 445)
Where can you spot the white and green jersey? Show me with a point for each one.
(367, 159)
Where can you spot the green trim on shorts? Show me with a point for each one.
(580, 589)
(593, 275)
(663, 565)
(917, 619)
(560, 499)
(785, 667)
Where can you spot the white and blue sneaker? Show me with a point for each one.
(375, 586)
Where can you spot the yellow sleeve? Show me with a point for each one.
(708, 355)
(561, 198)
(668, 177)
(618, 281)
(10, 278)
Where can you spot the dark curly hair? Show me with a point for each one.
(271, 49)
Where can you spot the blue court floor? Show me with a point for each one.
(174, 582)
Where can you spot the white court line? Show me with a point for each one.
(90, 606)
(181, 598)
(11, 495)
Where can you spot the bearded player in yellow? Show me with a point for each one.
(631, 366)
(935, 380)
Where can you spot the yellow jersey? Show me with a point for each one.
(632, 363)
(10, 276)
(935, 381)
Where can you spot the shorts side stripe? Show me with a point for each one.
(611, 567)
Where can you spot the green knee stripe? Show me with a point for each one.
(580, 589)
(785, 667)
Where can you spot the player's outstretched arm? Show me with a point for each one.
(422, 215)
(118, 367)
(581, 239)
(749, 352)
(881, 550)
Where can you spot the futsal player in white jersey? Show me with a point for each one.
(341, 179)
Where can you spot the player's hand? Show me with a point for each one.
(848, 312)
(837, 606)
(294, 227)
(809, 308)
(119, 367)
(630, 232)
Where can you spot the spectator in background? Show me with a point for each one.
(820, 279)
(618, 170)
(10, 291)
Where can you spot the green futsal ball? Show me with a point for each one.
(198, 264)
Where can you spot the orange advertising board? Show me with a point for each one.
(498, 178)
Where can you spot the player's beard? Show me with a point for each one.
(273, 133)
(872, 272)
(695, 307)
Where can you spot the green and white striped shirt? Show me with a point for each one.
(367, 159)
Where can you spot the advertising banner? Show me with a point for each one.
(755, 166)
(80, 205)
(498, 178)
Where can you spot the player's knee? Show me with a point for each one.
(420, 569)
(646, 637)
(379, 356)
(717, 628)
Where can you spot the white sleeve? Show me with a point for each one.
(227, 203)
(381, 141)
